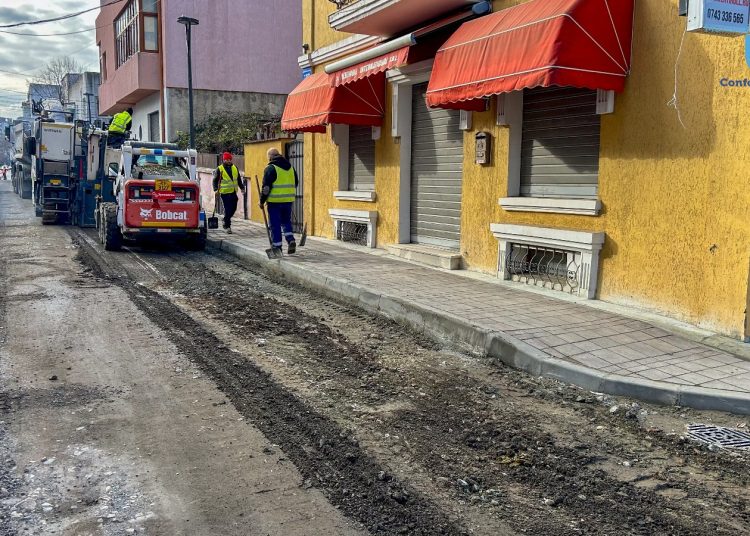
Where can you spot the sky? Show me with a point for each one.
(25, 54)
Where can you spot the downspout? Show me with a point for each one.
(312, 136)
(163, 91)
(746, 338)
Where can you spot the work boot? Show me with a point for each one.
(277, 251)
(229, 230)
(291, 247)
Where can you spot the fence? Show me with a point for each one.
(212, 161)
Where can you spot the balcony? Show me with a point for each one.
(388, 17)
(135, 79)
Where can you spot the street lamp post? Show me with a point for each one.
(189, 23)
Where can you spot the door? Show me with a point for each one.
(436, 173)
(295, 155)
(154, 127)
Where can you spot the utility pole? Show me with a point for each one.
(189, 23)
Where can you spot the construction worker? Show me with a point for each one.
(120, 124)
(227, 181)
(280, 183)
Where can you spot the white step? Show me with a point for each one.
(429, 255)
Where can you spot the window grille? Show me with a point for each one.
(127, 34)
(545, 267)
(352, 232)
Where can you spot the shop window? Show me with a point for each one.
(560, 144)
(361, 159)
(356, 162)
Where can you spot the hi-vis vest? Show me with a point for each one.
(283, 189)
(119, 122)
(228, 184)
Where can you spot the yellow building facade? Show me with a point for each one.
(673, 201)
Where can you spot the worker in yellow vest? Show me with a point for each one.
(118, 128)
(227, 181)
(280, 183)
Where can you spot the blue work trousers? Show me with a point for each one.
(280, 219)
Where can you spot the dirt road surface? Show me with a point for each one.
(167, 392)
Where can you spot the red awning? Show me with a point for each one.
(315, 103)
(380, 64)
(540, 43)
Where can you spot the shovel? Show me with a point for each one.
(213, 221)
(303, 238)
(273, 253)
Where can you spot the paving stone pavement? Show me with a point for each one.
(604, 342)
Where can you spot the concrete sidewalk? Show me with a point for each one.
(591, 347)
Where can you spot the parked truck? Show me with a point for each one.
(53, 169)
(156, 198)
(22, 160)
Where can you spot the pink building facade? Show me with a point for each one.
(244, 60)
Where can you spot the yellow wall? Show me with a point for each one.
(675, 200)
(255, 162)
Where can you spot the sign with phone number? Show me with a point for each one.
(730, 17)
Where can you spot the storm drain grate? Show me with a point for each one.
(720, 436)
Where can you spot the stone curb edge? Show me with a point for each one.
(501, 346)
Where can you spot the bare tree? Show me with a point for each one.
(54, 71)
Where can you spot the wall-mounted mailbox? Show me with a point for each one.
(483, 147)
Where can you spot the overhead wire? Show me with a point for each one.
(61, 17)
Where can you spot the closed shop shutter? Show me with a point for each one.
(436, 173)
(560, 150)
(361, 158)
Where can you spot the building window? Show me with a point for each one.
(103, 66)
(560, 144)
(150, 33)
(150, 25)
(127, 34)
(136, 29)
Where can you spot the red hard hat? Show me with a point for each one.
(227, 156)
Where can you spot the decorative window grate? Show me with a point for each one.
(352, 232)
(555, 269)
(340, 4)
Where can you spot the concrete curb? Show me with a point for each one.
(501, 346)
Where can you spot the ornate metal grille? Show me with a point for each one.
(551, 268)
(352, 232)
(342, 3)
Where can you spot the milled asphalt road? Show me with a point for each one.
(591, 348)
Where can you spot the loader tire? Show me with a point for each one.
(111, 232)
(197, 242)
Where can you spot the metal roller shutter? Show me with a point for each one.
(560, 148)
(361, 158)
(436, 173)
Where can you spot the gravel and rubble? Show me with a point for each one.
(408, 434)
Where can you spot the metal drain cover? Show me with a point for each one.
(727, 438)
